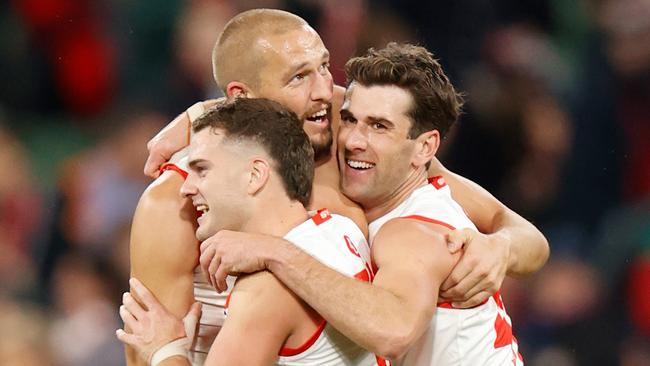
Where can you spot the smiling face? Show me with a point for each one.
(216, 182)
(296, 75)
(375, 154)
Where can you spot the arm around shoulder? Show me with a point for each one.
(528, 248)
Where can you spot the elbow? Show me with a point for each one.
(396, 344)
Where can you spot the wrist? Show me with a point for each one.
(502, 240)
(176, 348)
(277, 255)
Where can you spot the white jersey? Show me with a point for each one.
(334, 240)
(478, 336)
(337, 242)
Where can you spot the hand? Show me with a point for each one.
(231, 253)
(155, 327)
(480, 271)
(174, 137)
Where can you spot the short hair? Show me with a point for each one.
(235, 56)
(273, 127)
(436, 104)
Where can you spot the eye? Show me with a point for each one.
(346, 118)
(378, 126)
(298, 78)
(325, 66)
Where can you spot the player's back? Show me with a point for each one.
(481, 335)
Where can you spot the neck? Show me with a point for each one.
(276, 218)
(380, 207)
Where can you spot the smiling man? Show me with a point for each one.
(251, 168)
(399, 104)
(277, 55)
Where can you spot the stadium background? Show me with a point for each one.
(557, 126)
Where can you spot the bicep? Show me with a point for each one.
(480, 205)
(163, 248)
(412, 262)
(260, 319)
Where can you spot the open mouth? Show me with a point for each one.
(318, 117)
(202, 208)
(358, 164)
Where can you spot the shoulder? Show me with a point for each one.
(413, 240)
(260, 298)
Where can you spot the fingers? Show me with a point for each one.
(143, 294)
(191, 318)
(458, 239)
(152, 166)
(132, 306)
(126, 338)
(220, 279)
(473, 301)
(129, 320)
(457, 275)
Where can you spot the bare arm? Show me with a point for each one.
(163, 248)
(262, 314)
(384, 317)
(173, 137)
(528, 248)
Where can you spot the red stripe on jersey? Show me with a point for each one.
(432, 221)
(382, 362)
(174, 167)
(447, 305)
(438, 181)
(321, 216)
(503, 330)
(287, 351)
(363, 275)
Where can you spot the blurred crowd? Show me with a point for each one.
(557, 126)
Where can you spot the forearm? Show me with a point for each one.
(529, 248)
(176, 361)
(527, 245)
(369, 315)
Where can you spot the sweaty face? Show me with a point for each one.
(296, 74)
(215, 183)
(374, 151)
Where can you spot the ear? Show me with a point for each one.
(260, 170)
(426, 146)
(237, 89)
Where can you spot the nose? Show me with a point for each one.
(188, 189)
(323, 87)
(354, 138)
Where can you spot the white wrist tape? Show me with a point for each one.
(195, 111)
(178, 347)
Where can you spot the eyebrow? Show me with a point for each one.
(294, 69)
(193, 163)
(383, 120)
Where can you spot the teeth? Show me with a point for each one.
(319, 114)
(203, 208)
(359, 164)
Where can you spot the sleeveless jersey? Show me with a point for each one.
(335, 241)
(478, 336)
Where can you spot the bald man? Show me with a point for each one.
(277, 55)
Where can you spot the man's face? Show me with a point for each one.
(296, 75)
(215, 183)
(375, 153)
